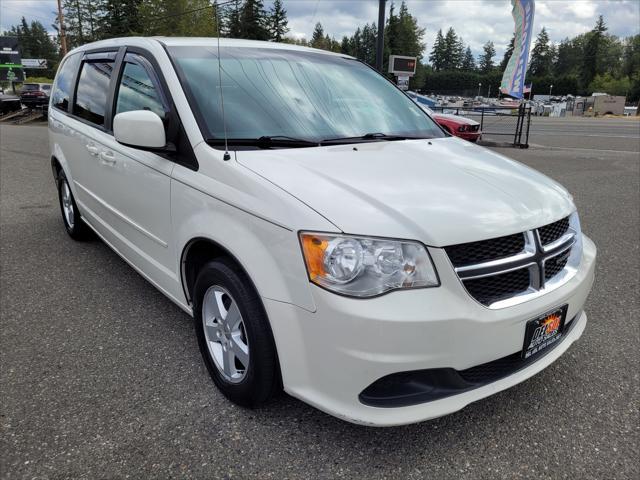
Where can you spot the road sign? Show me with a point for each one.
(39, 63)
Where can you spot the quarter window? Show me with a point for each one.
(63, 84)
(93, 86)
(137, 91)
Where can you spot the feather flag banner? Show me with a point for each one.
(513, 77)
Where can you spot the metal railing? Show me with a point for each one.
(513, 122)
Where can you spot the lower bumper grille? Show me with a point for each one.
(420, 386)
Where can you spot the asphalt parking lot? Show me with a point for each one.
(101, 376)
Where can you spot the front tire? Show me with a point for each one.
(234, 334)
(73, 223)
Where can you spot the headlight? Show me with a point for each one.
(365, 267)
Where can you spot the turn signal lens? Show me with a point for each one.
(365, 267)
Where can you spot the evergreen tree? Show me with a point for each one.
(345, 46)
(508, 52)
(438, 53)
(74, 23)
(253, 21)
(541, 63)
(390, 36)
(570, 56)
(631, 59)
(368, 51)
(34, 42)
(278, 23)
(119, 18)
(318, 38)
(186, 18)
(410, 35)
(468, 62)
(232, 25)
(592, 50)
(453, 50)
(485, 62)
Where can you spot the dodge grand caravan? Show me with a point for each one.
(327, 236)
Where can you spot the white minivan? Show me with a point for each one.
(327, 236)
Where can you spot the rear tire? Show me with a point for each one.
(73, 223)
(234, 334)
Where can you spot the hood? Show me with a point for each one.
(441, 192)
(455, 118)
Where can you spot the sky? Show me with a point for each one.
(477, 21)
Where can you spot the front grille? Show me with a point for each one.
(483, 251)
(514, 265)
(555, 265)
(491, 289)
(474, 128)
(552, 232)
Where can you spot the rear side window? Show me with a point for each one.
(93, 87)
(137, 91)
(46, 87)
(63, 85)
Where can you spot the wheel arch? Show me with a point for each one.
(195, 253)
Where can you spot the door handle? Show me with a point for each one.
(93, 150)
(107, 158)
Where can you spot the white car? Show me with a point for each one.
(325, 234)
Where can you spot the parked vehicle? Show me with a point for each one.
(326, 235)
(456, 125)
(9, 103)
(35, 94)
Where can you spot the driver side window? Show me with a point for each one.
(137, 90)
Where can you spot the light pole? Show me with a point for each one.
(489, 92)
(479, 85)
(380, 38)
(550, 89)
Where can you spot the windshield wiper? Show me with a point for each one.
(266, 142)
(369, 136)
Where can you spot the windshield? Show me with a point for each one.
(295, 94)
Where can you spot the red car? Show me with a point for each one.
(456, 125)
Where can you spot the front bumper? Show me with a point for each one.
(329, 357)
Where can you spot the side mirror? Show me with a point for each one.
(139, 128)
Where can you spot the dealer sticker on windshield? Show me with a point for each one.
(544, 331)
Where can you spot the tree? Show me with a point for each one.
(119, 18)
(232, 25)
(186, 18)
(541, 63)
(454, 50)
(438, 53)
(569, 56)
(608, 84)
(468, 62)
(485, 62)
(508, 52)
(345, 46)
(278, 23)
(592, 50)
(631, 59)
(253, 21)
(317, 38)
(35, 42)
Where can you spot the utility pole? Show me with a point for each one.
(63, 33)
(380, 39)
